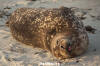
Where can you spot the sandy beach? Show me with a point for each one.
(13, 53)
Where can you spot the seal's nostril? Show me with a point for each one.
(69, 43)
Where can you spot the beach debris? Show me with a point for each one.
(90, 29)
(77, 61)
(95, 17)
(4, 13)
(98, 17)
(7, 7)
(95, 49)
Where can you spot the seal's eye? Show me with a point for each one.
(62, 47)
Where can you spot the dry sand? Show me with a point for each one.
(13, 53)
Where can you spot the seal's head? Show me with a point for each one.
(68, 45)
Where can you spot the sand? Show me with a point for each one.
(13, 53)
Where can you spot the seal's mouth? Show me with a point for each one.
(69, 48)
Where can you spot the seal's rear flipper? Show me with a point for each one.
(90, 29)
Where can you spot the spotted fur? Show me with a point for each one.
(42, 28)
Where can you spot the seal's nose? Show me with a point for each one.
(69, 43)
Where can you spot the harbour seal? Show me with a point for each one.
(57, 30)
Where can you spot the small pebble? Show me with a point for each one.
(7, 7)
(94, 49)
(77, 61)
